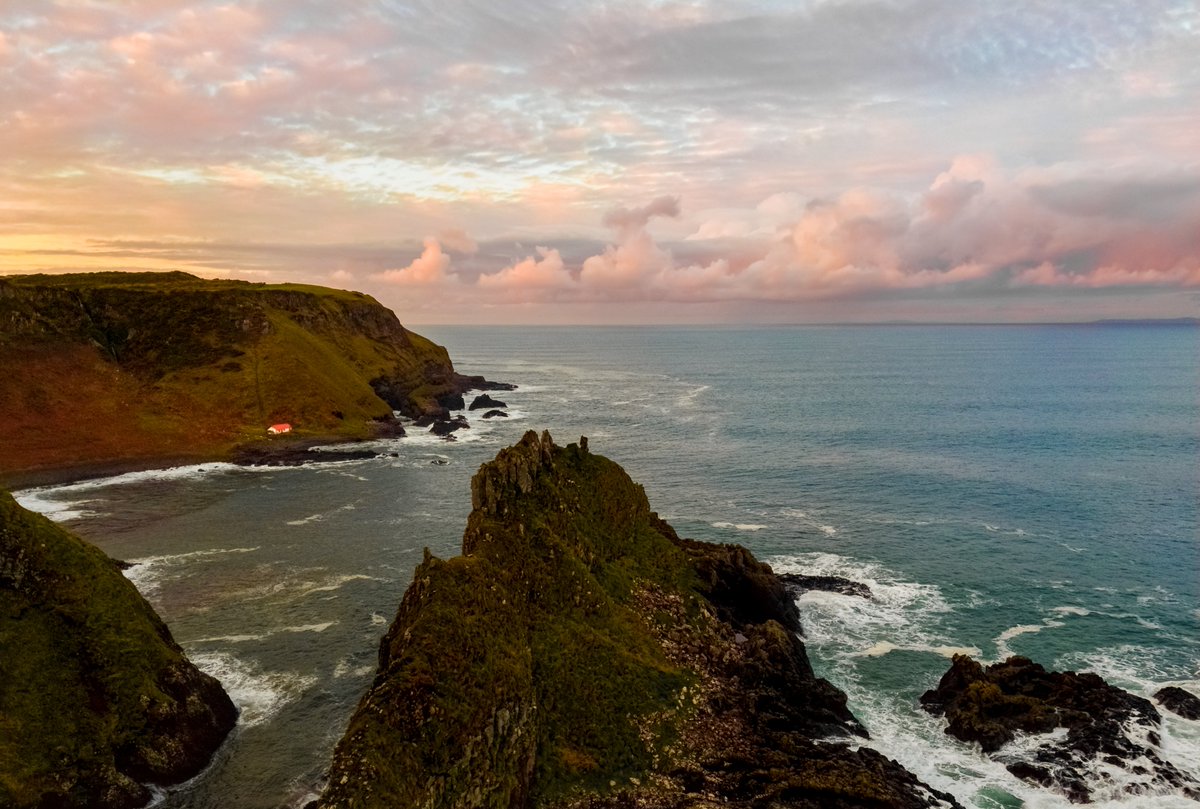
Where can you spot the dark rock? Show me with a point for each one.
(1178, 701)
(439, 462)
(492, 414)
(992, 705)
(579, 653)
(427, 419)
(800, 583)
(296, 455)
(466, 383)
(452, 401)
(444, 428)
(484, 401)
(98, 699)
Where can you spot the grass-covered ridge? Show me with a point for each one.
(579, 653)
(95, 696)
(109, 366)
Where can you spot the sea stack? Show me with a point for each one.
(580, 653)
(96, 699)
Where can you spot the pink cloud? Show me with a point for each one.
(430, 268)
(544, 273)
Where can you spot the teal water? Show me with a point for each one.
(1028, 490)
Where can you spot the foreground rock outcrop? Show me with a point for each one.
(109, 367)
(1107, 729)
(579, 653)
(96, 699)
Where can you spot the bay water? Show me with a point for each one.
(1002, 490)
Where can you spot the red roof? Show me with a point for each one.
(279, 428)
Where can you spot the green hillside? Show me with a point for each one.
(116, 366)
(95, 696)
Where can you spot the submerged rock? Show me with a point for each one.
(96, 699)
(491, 414)
(579, 653)
(800, 583)
(1178, 701)
(1106, 727)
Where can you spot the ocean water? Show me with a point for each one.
(1028, 490)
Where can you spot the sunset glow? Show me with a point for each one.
(828, 160)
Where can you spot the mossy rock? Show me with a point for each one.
(96, 699)
(579, 653)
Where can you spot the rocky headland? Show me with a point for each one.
(96, 699)
(104, 372)
(579, 653)
(1101, 729)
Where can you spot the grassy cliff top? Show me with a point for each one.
(105, 367)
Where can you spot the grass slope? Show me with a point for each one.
(112, 366)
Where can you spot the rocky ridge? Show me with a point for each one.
(96, 699)
(579, 653)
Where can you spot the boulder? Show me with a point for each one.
(1178, 701)
(492, 414)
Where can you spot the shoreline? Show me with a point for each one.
(276, 453)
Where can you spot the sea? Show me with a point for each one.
(1002, 490)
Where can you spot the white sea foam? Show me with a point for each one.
(827, 530)
(331, 584)
(149, 572)
(62, 502)
(346, 668)
(377, 619)
(1004, 651)
(259, 695)
(739, 526)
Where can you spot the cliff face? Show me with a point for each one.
(96, 699)
(580, 653)
(125, 365)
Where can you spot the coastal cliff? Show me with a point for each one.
(579, 653)
(96, 699)
(107, 367)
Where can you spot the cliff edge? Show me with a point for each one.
(579, 653)
(96, 699)
(114, 366)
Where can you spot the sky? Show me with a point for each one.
(524, 162)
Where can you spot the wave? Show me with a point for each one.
(844, 633)
(149, 572)
(259, 695)
(739, 526)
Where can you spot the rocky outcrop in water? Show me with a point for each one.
(1178, 701)
(579, 653)
(800, 583)
(1106, 728)
(483, 401)
(96, 699)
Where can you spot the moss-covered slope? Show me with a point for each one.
(580, 653)
(95, 697)
(108, 366)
